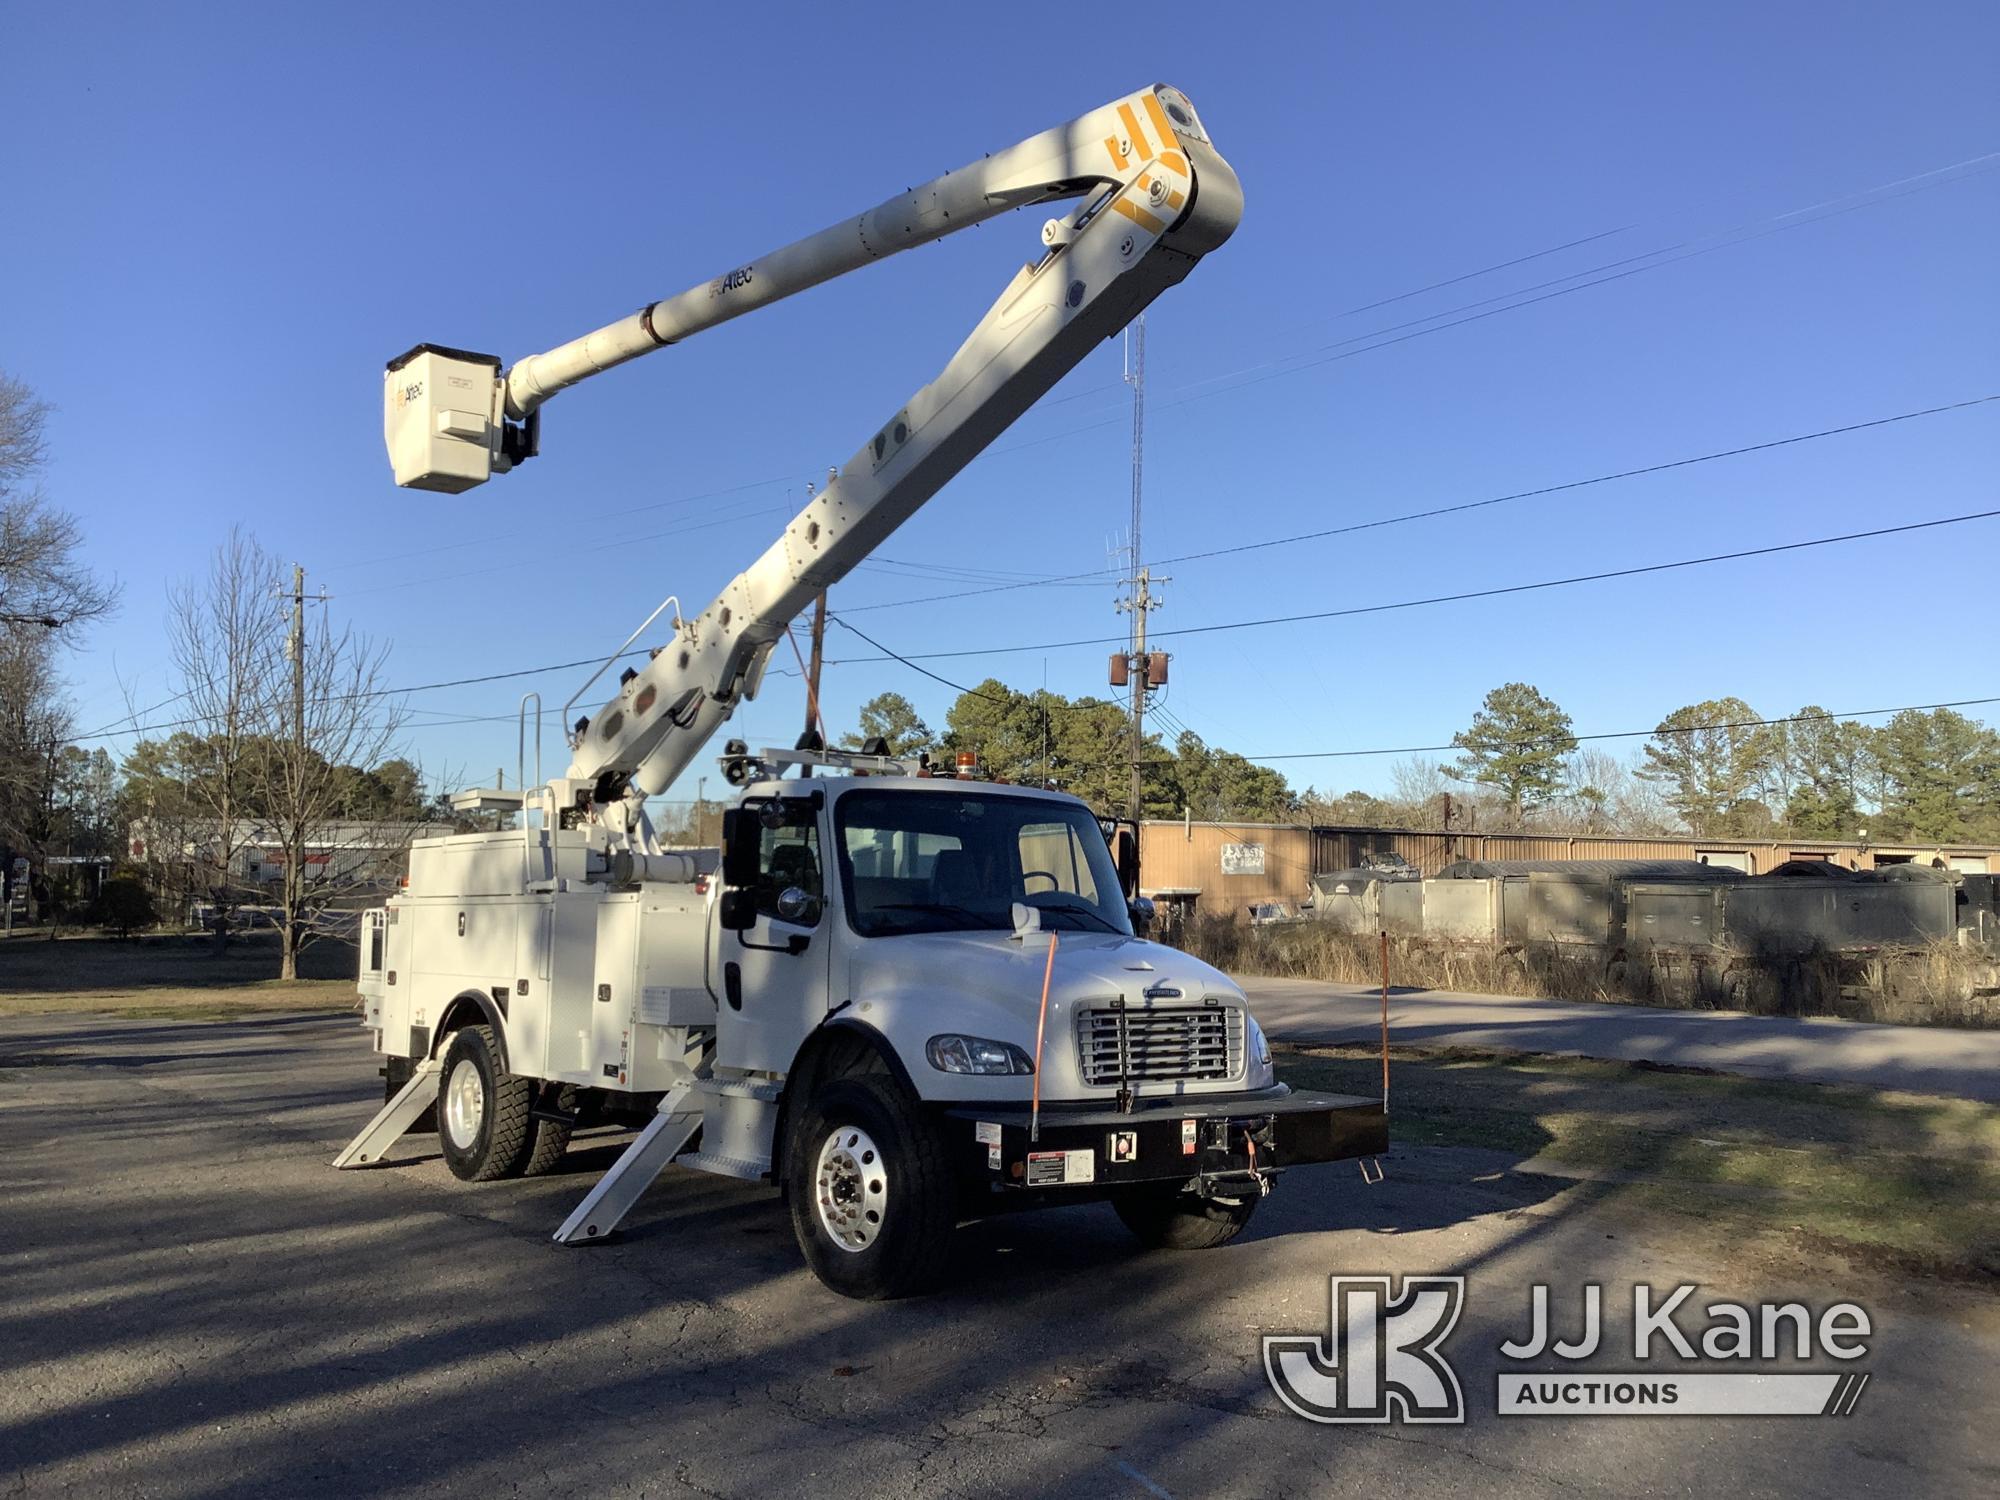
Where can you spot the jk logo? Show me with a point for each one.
(1379, 1360)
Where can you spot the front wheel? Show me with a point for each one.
(1171, 1219)
(871, 1194)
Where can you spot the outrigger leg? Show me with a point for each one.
(618, 1189)
(395, 1117)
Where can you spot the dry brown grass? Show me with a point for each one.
(1938, 985)
(1905, 1180)
(177, 976)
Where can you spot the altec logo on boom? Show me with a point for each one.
(1382, 1357)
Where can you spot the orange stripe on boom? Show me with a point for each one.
(1159, 118)
(1142, 146)
(1137, 215)
(1118, 158)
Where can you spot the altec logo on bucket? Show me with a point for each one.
(1382, 1357)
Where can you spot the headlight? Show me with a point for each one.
(975, 1054)
(1259, 1074)
(1260, 1049)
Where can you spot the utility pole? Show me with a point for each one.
(813, 718)
(1139, 669)
(815, 724)
(295, 648)
(293, 832)
(1144, 670)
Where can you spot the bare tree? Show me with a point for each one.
(35, 727)
(45, 591)
(44, 585)
(1601, 794)
(281, 726)
(226, 642)
(1420, 787)
(338, 719)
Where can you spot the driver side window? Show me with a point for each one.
(789, 860)
(1053, 863)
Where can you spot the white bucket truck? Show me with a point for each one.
(905, 999)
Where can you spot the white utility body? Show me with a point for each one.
(906, 999)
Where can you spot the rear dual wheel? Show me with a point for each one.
(483, 1118)
(482, 1110)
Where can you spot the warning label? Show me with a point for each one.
(1053, 1168)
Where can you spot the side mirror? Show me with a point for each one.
(1142, 911)
(1126, 851)
(795, 906)
(737, 911)
(742, 841)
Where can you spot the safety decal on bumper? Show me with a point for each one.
(1052, 1168)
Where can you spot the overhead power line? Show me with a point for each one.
(419, 687)
(1100, 574)
(1473, 312)
(1468, 594)
(959, 687)
(1599, 275)
(913, 659)
(116, 725)
(1618, 734)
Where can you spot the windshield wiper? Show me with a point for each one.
(1083, 911)
(982, 920)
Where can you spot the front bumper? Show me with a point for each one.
(1208, 1142)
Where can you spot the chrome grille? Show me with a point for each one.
(1166, 1041)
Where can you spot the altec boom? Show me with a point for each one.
(847, 998)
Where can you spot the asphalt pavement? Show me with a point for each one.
(195, 1304)
(1920, 1059)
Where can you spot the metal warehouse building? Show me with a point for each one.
(1218, 867)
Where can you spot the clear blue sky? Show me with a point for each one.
(221, 220)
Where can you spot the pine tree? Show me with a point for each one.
(1516, 744)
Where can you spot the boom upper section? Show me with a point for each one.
(1154, 198)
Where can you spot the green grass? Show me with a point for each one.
(1904, 1178)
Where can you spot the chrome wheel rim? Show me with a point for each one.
(464, 1104)
(850, 1189)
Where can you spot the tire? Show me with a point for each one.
(550, 1137)
(396, 1072)
(872, 1196)
(482, 1112)
(1176, 1220)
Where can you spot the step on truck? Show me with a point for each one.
(904, 999)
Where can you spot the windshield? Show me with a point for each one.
(955, 862)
